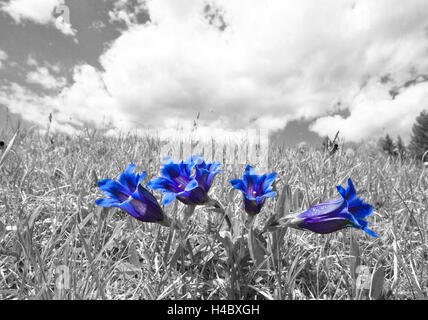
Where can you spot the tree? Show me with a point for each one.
(419, 140)
(400, 149)
(388, 145)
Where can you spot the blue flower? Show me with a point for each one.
(255, 189)
(333, 215)
(129, 195)
(178, 182)
(205, 173)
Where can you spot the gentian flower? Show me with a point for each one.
(255, 189)
(333, 215)
(178, 182)
(129, 195)
(205, 173)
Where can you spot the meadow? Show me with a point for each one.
(56, 243)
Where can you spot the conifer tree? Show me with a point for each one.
(388, 145)
(400, 148)
(419, 140)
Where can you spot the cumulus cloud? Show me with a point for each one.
(40, 12)
(374, 113)
(260, 65)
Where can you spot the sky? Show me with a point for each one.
(303, 69)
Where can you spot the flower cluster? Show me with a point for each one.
(190, 181)
(178, 182)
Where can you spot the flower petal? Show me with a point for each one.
(128, 179)
(128, 207)
(341, 191)
(249, 170)
(347, 215)
(174, 172)
(371, 232)
(163, 185)
(331, 207)
(144, 195)
(238, 184)
(168, 197)
(141, 177)
(191, 185)
(269, 195)
(350, 192)
(328, 225)
(270, 178)
(250, 183)
(114, 189)
(362, 211)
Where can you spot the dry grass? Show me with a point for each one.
(49, 224)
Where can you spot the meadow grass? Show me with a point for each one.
(56, 243)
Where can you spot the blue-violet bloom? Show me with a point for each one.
(128, 194)
(255, 189)
(333, 215)
(178, 182)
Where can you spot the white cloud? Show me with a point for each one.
(32, 107)
(262, 64)
(374, 113)
(43, 77)
(40, 12)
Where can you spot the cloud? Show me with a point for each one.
(33, 107)
(127, 12)
(274, 61)
(40, 12)
(259, 65)
(43, 77)
(374, 113)
(3, 57)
